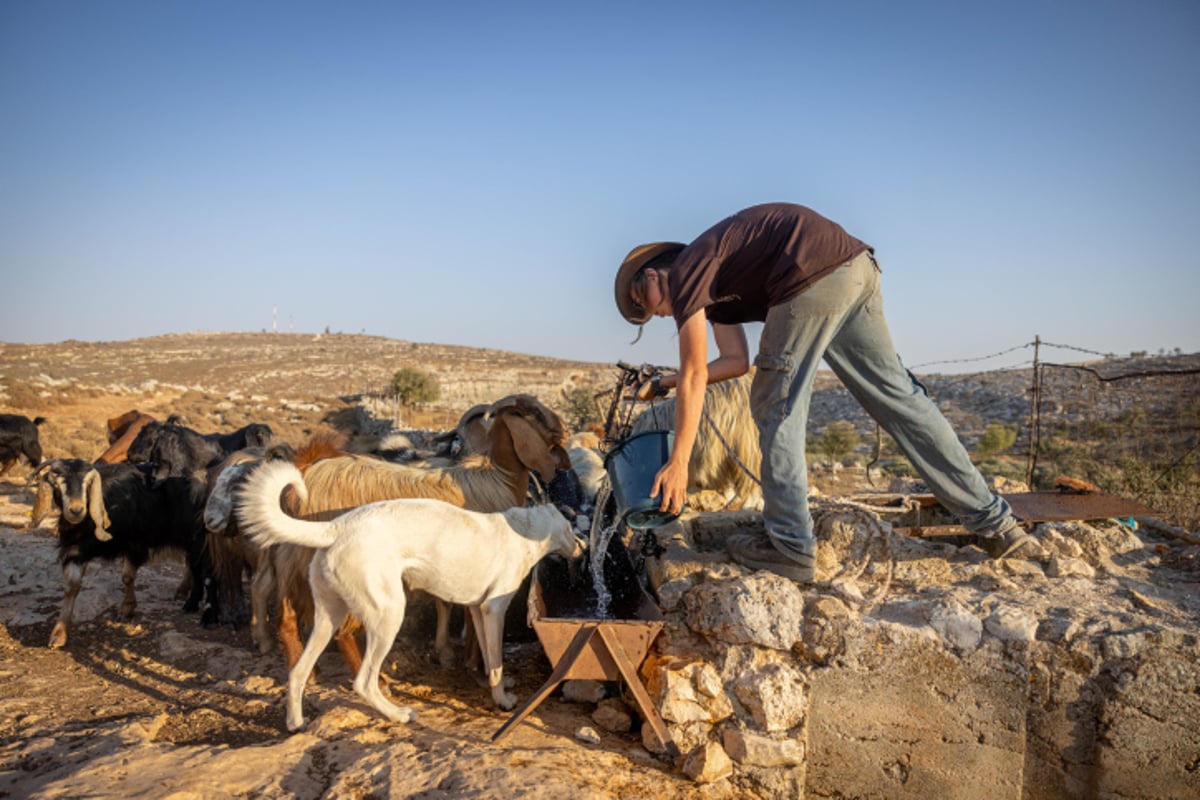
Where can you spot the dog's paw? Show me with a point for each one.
(402, 714)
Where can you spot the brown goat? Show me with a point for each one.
(122, 431)
(524, 437)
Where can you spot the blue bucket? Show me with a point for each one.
(631, 470)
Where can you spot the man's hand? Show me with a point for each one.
(671, 484)
(650, 386)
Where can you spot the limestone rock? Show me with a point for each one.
(956, 625)
(1012, 625)
(774, 694)
(587, 734)
(708, 763)
(1066, 567)
(761, 608)
(583, 691)
(756, 750)
(687, 691)
(613, 715)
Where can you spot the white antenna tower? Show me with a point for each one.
(274, 319)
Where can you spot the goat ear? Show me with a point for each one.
(530, 447)
(95, 494)
(43, 503)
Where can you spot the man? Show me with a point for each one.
(816, 288)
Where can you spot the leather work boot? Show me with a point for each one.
(1004, 544)
(757, 552)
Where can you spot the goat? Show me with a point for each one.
(19, 439)
(524, 437)
(175, 450)
(111, 511)
(232, 553)
(122, 431)
(711, 466)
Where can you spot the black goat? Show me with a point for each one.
(175, 450)
(19, 438)
(111, 511)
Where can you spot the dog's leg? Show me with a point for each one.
(382, 626)
(489, 626)
(327, 607)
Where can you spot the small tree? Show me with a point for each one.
(579, 406)
(996, 439)
(839, 440)
(414, 385)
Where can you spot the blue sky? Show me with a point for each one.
(472, 173)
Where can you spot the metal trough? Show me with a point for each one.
(582, 646)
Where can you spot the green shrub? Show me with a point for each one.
(996, 439)
(839, 440)
(579, 407)
(414, 385)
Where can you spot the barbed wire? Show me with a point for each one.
(1079, 349)
(976, 358)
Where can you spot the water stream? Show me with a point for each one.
(600, 538)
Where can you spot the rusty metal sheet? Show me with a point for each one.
(1062, 506)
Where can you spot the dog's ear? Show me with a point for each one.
(529, 446)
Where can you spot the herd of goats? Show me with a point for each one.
(164, 487)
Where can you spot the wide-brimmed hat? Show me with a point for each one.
(638, 257)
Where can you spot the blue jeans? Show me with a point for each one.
(840, 318)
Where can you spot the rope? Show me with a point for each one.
(823, 519)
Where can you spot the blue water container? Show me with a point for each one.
(631, 467)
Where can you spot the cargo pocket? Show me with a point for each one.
(769, 391)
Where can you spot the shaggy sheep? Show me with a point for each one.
(713, 465)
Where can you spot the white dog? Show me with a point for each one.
(367, 556)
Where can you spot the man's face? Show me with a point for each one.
(649, 290)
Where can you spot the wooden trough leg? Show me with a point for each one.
(556, 677)
(634, 682)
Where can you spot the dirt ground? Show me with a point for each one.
(160, 707)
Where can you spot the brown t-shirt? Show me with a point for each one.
(757, 258)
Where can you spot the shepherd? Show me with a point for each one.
(817, 289)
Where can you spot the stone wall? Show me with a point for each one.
(912, 669)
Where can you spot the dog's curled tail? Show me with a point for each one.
(263, 519)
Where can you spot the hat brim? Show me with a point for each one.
(638, 257)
